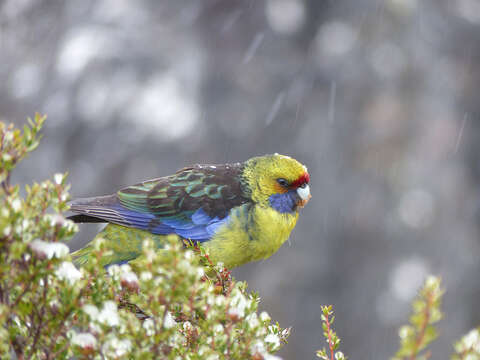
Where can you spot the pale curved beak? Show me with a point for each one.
(304, 195)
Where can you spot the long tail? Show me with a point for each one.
(124, 243)
(98, 209)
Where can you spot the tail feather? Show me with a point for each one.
(97, 209)
(81, 218)
(124, 243)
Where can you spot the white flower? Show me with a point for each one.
(147, 243)
(404, 331)
(90, 310)
(16, 205)
(70, 225)
(339, 356)
(259, 347)
(273, 339)
(219, 267)
(114, 270)
(125, 275)
(261, 331)
(58, 178)
(7, 230)
(169, 321)
(54, 304)
(67, 271)
(252, 320)
(188, 254)
(185, 266)
(472, 340)
(264, 316)
(204, 349)
(238, 304)
(129, 278)
(149, 327)
(8, 136)
(200, 272)
(56, 219)
(84, 340)
(109, 314)
(116, 348)
(158, 280)
(25, 224)
(218, 328)
(49, 249)
(176, 340)
(99, 243)
(219, 300)
(146, 275)
(213, 357)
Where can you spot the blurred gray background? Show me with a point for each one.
(379, 98)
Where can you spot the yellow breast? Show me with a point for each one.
(250, 235)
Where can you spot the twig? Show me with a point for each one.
(6, 184)
(40, 317)
(330, 342)
(425, 322)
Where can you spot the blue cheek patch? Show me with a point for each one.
(284, 203)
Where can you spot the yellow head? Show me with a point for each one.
(278, 181)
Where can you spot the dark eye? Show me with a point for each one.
(282, 182)
(303, 185)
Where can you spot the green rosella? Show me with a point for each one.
(239, 212)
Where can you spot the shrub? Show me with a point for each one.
(174, 306)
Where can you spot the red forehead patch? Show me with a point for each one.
(304, 179)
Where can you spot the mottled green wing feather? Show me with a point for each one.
(214, 188)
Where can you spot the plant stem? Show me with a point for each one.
(425, 322)
(329, 332)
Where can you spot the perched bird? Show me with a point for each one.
(239, 212)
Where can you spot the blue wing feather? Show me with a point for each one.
(213, 226)
(195, 233)
(198, 226)
(200, 217)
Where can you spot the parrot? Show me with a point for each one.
(238, 212)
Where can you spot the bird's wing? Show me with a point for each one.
(192, 203)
